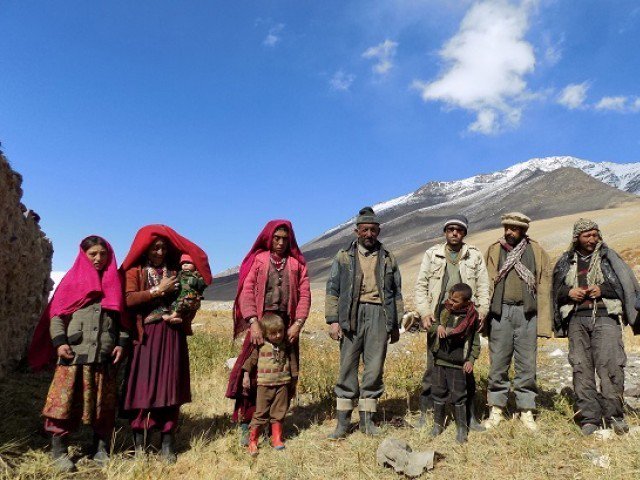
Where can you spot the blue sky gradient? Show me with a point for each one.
(214, 117)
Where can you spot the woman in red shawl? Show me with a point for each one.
(158, 381)
(82, 326)
(273, 278)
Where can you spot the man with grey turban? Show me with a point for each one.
(594, 292)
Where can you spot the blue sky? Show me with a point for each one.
(214, 117)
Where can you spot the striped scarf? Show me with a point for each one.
(514, 260)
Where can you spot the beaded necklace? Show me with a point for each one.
(153, 277)
(278, 264)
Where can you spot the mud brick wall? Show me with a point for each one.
(25, 268)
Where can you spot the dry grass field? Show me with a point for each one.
(208, 442)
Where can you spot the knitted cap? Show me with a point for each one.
(367, 215)
(516, 219)
(459, 219)
(185, 259)
(583, 225)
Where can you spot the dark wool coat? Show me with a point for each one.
(615, 271)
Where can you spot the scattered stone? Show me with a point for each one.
(632, 392)
(634, 431)
(597, 458)
(558, 352)
(398, 455)
(603, 434)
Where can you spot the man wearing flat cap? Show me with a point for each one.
(443, 266)
(363, 306)
(594, 293)
(520, 311)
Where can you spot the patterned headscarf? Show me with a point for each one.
(583, 225)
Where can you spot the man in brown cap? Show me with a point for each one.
(594, 292)
(363, 306)
(520, 311)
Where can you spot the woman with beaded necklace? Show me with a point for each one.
(158, 382)
(273, 278)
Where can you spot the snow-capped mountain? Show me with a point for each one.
(623, 176)
(541, 188)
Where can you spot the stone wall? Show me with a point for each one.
(25, 268)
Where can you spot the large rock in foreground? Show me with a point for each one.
(25, 268)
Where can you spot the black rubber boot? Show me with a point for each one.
(101, 450)
(342, 428)
(426, 406)
(167, 450)
(474, 424)
(460, 415)
(366, 424)
(139, 438)
(438, 419)
(60, 454)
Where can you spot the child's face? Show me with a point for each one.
(457, 301)
(275, 337)
(188, 267)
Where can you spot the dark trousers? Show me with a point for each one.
(595, 347)
(427, 382)
(272, 404)
(449, 385)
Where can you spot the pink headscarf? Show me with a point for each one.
(263, 244)
(81, 285)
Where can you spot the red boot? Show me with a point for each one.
(276, 436)
(254, 437)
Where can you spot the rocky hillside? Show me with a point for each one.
(25, 265)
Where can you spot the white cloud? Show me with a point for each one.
(487, 60)
(620, 104)
(574, 95)
(341, 81)
(383, 53)
(273, 37)
(617, 104)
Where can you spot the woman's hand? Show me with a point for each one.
(256, 333)
(117, 354)
(294, 332)
(442, 332)
(246, 383)
(168, 284)
(64, 351)
(467, 367)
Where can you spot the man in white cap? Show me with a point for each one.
(444, 265)
(520, 311)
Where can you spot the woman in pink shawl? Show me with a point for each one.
(273, 278)
(83, 328)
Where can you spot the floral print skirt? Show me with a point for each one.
(83, 393)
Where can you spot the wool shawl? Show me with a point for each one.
(81, 285)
